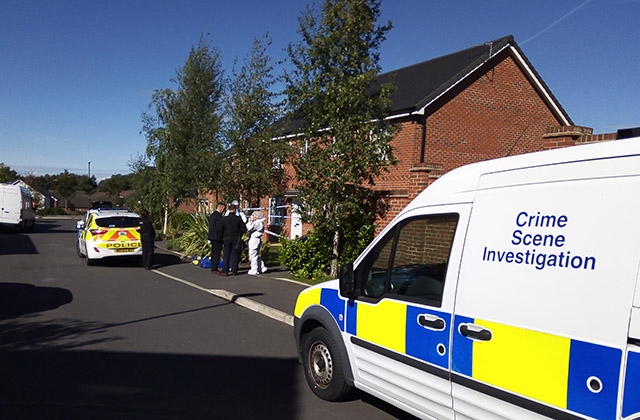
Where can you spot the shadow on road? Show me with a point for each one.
(19, 299)
(16, 244)
(108, 385)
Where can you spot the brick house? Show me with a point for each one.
(484, 102)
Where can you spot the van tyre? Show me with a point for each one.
(323, 367)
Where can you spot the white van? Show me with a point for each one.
(16, 208)
(508, 289)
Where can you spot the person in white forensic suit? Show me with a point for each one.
(255, 227)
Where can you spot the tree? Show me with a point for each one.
(7, 174)
(253, 168)
(114, 185)
(86, 184)
(147, 190)
(334, 91)
(183, 136)
(66, 186)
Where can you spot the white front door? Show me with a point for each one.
(296, 222)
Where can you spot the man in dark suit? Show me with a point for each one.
(215, 236)
(232, 230)
(147, 237)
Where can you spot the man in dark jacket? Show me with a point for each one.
(232, 230)
(147, 237)
(215, 236)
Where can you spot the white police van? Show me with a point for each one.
(508, 289)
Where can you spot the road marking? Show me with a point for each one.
(239, 300)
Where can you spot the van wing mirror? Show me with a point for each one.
(347, 281)
(80, 225)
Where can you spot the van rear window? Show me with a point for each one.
(118, 222)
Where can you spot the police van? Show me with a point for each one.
(508, 289)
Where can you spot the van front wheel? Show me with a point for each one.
(323, 367)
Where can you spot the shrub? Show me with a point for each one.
(52, 211)
(306, 257)
(309, 258)
(193, 242)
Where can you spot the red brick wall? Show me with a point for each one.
(500, 114)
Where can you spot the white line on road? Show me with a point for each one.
(233, 298)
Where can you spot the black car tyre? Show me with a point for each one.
(78, 249)
(323, 367)
(87, 259)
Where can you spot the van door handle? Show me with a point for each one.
(431, 321)
(475, 332)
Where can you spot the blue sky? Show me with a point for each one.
(75, 75)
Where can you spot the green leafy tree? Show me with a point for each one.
(114, 185)
(253, 168)
(66, 186)
(87, 184)
(47, 181)
(148, 193)
(334, 91)
(183, 133)
(7, 174)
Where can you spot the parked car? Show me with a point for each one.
(108, 233)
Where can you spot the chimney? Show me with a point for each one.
(566, 135)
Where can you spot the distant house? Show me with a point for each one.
(81, 201)
(41, 197)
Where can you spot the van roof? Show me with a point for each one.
(459, 185)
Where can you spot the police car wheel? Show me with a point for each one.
(88, 260)
(78, 249)
(322, 366)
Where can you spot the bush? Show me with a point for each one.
(193, 242)
(52, 211)
(309, 258)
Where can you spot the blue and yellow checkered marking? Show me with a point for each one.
(328, 298)
(544, 367)
(552, 369)
(379, 323)
(631, 401)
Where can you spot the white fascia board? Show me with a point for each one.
(540, 86)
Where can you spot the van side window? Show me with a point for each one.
(411, 260)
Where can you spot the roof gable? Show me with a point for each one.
(419, 85)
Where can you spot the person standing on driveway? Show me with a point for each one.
(147, 237)
(215, 236)
(255, 226)
(232, 230)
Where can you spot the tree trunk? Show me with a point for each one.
(335, 253)
(166, 219)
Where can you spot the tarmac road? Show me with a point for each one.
(114, 341)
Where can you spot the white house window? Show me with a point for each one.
(277, 211)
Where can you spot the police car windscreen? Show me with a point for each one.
(118, 222)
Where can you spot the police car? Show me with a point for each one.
(106, 233)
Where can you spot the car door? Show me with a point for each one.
(88, 219)
(400, 326)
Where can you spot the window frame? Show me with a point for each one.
(394, 235)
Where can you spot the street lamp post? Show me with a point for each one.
(89, 168)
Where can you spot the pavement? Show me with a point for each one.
(272, 294)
